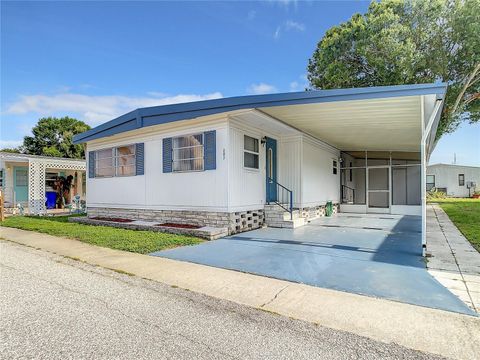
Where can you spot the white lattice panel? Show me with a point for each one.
(36, 187)
(63, 164)
(36, 179)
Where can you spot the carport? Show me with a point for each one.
(385, 136)
(369, 254)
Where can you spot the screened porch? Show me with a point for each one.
(381, 182)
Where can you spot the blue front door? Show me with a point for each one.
(271, 169)
(20, 181)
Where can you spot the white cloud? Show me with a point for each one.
(261, 88)
(294, 86)
(289, 25)
(293, 25)
(285, 3)
(95, 109)
(10, 143)
(276, 34)
(251, 15)
(299, 85)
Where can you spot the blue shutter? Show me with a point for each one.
(210, 150)
(91, 164)
(139, 159)
(167, 155)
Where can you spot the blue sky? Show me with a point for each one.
(98, 60)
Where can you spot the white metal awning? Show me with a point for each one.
(393, 123)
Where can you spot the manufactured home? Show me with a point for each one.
(276, 159)
(28, 180)
(454, 180)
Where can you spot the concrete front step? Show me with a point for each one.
(282, 216)
(288, 224)
(276, 216)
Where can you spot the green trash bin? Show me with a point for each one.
(329, 208)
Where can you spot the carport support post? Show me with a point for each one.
(424, 198)
(426, 130)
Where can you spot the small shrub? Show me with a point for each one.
(435, 195)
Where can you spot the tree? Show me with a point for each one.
(405, 42)
(11, 150)
(54, 137)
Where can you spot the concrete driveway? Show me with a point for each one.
(373, 255)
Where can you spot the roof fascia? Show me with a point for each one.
(169, 113)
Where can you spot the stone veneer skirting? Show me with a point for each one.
(235, 222)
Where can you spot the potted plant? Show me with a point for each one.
(62, 186)
(476, 195)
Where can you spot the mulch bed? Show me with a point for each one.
(119, 220)
(181, 226)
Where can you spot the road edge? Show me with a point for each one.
(423, 329)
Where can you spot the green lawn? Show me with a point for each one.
(465, 213)
(142, 242)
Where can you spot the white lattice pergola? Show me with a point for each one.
(36, 178)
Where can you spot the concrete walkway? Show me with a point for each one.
(383, 320)
(454, 262)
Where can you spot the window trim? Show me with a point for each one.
(188, 147)
(462, 181)
(251, 152)
(113, 159)
(334, 167)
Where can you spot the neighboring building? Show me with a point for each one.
(454, 180)
(25, 179)
(221, 162)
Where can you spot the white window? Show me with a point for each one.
(334, 167)
(119, 161)
(104, 163)
(187, 153)
(125, 160)
(250, 152)
(430, 182)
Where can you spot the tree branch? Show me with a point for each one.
(465, 87)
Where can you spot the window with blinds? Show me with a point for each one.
(117, 161)
(188, 153)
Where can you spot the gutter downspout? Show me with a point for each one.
(423, 150)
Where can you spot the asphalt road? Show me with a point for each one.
(53, 307)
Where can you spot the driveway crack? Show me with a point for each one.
(274, 297)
